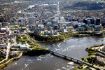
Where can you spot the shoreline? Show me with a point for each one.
(95, 56)
(53, 39)
(63, 36)
(5, 63)
(35, 47)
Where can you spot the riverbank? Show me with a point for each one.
(88, 34)
(5, 62)
(63, 36)
(96, 57)
(35, 48)
(52, 39)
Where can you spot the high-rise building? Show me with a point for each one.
(98, 21)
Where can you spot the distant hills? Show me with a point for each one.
(47, 0)
(71, 4)
(86, 5)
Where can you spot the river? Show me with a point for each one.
(74, 47)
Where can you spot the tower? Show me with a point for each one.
(58, 11)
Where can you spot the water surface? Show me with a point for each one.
(74, 47)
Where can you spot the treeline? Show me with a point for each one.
(87, 34)
(53, 39)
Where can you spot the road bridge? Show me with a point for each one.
(77, 61)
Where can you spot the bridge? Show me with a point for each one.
(72, 59)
